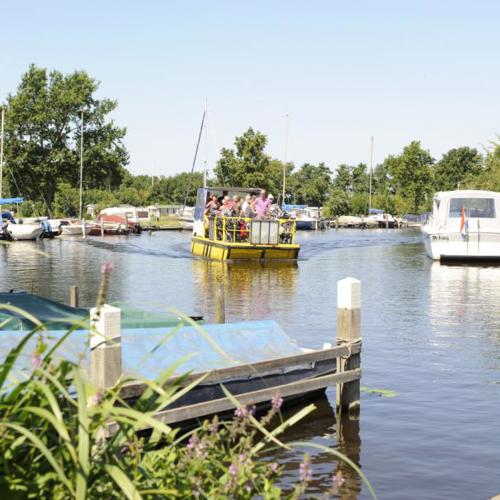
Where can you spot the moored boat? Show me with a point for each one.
(19, 232)
(464, 226)
(75, 227)
(306, 219)
(220, 237)
(381, 218)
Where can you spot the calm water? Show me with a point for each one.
(431, 334)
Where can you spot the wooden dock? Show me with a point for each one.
(106, 365)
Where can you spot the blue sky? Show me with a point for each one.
(342, 71)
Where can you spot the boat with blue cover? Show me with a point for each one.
(245, 357)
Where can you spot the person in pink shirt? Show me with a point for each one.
(261, 204)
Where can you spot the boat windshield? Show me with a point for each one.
(474, 207)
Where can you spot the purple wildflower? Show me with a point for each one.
(245, 411)
(273, 466)
(276, 402)
(36, 360)
(106, 268)
(338, 480)
(240, 412)
(193, 441)
(233, 469)
(197, 447)
(96, 398)
(305, 470)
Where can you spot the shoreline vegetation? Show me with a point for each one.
(41, 163)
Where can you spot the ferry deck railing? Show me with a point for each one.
(250, 230)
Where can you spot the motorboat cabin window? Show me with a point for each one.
(474, 207)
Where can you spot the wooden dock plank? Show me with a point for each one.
(262, 368)
(224, 404)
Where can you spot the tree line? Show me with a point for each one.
(42, 160)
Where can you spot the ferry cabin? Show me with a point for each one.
(222, 238)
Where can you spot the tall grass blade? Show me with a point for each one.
(123, 482)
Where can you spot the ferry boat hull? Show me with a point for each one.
(218, 250)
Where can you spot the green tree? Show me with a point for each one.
(342, 180)
(489, 178)
(311, 184)
(176, 188)
(338, 203)
(412, 175)
(247, 165)
(456, 167)
(43, 135)
(360, 180)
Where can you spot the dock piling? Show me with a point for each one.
(220, 307)
(105, 346)
(73, 296)
(348, 332)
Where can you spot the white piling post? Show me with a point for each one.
(105, 346)
(348, 331)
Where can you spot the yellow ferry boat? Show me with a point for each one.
(235, 238)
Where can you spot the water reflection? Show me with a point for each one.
(461, 296)
(253, 290)
(323, 427)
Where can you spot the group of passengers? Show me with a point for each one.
(261, 207)
(239, 210)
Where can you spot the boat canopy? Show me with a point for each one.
(10, 201)
(375, 211)
(289, 208)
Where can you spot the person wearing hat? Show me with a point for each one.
(274, 209)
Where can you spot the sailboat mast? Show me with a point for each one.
(205, 173)
(1, 148)
(371, 176)
(81, 167)
(285, 161)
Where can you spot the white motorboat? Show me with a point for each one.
(464, 225)
(75, 227)
(307, 218)
(18, 232)
(381, 218)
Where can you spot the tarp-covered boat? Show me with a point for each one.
(274, 359)
(59, 316)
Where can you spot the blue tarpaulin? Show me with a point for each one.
(147, 352)
(10, 201)
(375, 211)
